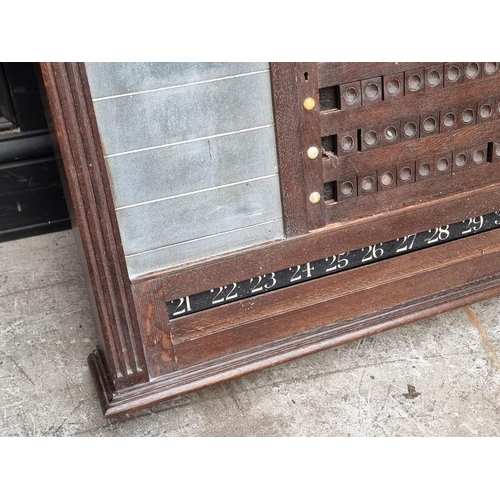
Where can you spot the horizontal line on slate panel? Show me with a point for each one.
(177, 86)
(196, 192)
(189, 140)
(203, 238)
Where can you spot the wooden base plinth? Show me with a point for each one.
(115, 404)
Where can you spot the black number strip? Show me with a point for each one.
(329, 265)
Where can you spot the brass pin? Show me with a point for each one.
(315, 197)
(312, 152)
(309, 103)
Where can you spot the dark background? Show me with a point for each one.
(31, 196)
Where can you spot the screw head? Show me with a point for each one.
(309, 103)
(315, 197)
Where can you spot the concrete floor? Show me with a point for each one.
(46, 333)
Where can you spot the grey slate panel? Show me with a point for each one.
(160, 173)
(188, 195)
(115, 78)
(166, 257)
(184, 113)
(162, 223)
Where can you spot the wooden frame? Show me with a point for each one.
(144, 357)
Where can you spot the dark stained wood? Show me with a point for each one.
(453, 73)
(350, 294)
(290, 149)
(415, 104)
(345, 72)
(434, 77)
(146, 358)
(78, 140)
(398, 133)
(414, 193)
(414, 81)
(307, 84)
(400, 153)
(371, 297)
(129, 338)
(154, 327)
(100, 374)
(332, 240)
(272, 353)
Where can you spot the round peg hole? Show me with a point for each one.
(372, 91)
(430, 124)
(468, 116)
(405, 174)
(410, 129)
(453, 73)
(433, 78)
(478, 156)
(449, 120)
(390, 133)
(351, 95)
(424, 169)
(442, 165)
(386, 179)
(490, 67)
(393, 86)
(472, 70)
(460, 160)
(367, 184)
(347, 188)
(415, 82)
(371, 138)
(347, 143)
(485, 111)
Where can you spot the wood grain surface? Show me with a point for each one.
(146, 358)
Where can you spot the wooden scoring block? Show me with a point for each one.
(346, 143)
(486, 110)
(371, 137)
(350, 95)
(472, 72)
(490, 70)
(367, 183)
(442, 164)
(387, 178)
(453, 74)
(346, 189)
(461, 160)
(424, 169)
(467, 114)
(434, 77)
(479, 155)
(410, 128)
(406, 173)
(371, 91)
(495, 153)
(448, 119)
(391, 133)
(393, 86)
(429, 124)
(414, 81)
